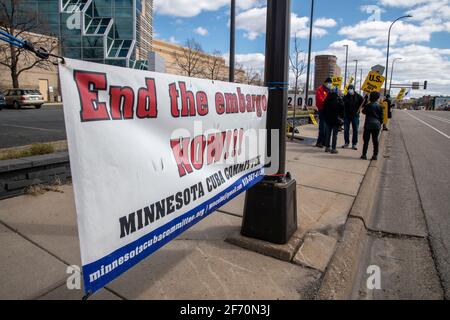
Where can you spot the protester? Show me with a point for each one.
(321, 94)
(352, 103)
(372, 124)
(333, 109)
(387, 112)
(390, 105)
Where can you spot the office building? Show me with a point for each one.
(325, 66)
(116, 32)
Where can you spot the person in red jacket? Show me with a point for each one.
(321, 95)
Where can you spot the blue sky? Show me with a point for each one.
(422, 42)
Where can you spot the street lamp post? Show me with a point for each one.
(360, 81)
(346, 59)
(309, 55)
(356, 73)
(270, 209)
(392, 72)
(387, 53)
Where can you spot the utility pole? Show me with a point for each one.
(360, 81)
(270, 211)
(346, 59)
(356, 73)
(392, 73)
(309, 54)
(387, 51)
(232, 39)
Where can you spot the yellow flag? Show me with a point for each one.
(401, 94)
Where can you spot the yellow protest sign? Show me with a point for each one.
(337, 82)
(313, 119)
(349, 83)
(401, 94)
(374, 81)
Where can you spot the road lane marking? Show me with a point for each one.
(438, 131)
(32, 128)
(437, 118)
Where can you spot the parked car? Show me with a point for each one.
(24, 97)
(2, 101)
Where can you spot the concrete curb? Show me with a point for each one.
(337, 283)
(18, 174)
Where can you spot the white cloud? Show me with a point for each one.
(366, 56)
(376, 32)
(325, 23)
(253, 61)
(247, 4)
(419, 63)
(438, 10)
(402, 3)
(173, 40)
(253, 21)
(428, 17)
(201, 31)
(189, 8)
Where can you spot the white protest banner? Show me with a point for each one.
(152, 154)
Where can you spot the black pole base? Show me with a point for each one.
(270, 211)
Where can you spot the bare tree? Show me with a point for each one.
(298, 66)
(214, 65)
(17, 20)
(253, 76)
(189, 59)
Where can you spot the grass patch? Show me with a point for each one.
(33, 150)
(39, 189)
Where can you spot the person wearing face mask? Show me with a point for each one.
(333, 109)
(352, 103)
(321, 95)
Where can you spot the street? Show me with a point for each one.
(409, 236)
(29, 125)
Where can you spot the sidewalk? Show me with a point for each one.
(39, 240)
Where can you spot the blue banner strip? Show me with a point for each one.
(97, 274)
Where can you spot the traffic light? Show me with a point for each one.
(425, 85)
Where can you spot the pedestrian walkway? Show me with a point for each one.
(39, 240)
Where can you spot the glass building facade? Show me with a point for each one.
(116, 32)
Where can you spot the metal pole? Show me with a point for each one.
(277, 70)
(360, 81)
(356, 73)
(392, 72)
(309, 54)
(387, 51)
(232, 39)
(271, 205)
(346, 59)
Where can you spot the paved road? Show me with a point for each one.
(29, 125)
(412, 212)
